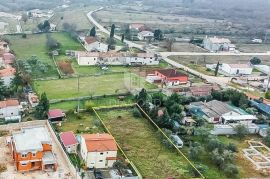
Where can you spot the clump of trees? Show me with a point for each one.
(92, 32)
(43, 107)
(71, 29)
(45, 26)
(255, 61)
(51, 43)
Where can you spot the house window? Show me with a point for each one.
(101, 153)
(150, 57)
(100, 160)
(23, 164)
(11, 113)
(33, 154)
(24, 155)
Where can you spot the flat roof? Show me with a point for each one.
(31, 139)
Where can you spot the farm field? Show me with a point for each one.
(186, 47)
(163, 20)
(142, 144)
(71, 16)
(90, 86)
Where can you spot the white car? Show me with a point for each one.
(177, 141)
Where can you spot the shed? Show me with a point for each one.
(56, 115)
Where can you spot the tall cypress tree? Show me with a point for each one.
(112, 31)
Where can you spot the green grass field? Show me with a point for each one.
(35, 45)
(104, 101)
(142, 144)
(90, 86)
(82, 123)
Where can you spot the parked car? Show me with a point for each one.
(177, 141)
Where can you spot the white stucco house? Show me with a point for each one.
(7, 75)
(215, 44)
(145, 35)
(91, 44)
(98, 150)
(116, 58)
(10, 109)
(236, 69)
(233, 117)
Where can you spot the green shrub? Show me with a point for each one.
(136, 113)
(231, 170)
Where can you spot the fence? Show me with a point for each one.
(129, 161)
(155, 125)
(73, 171)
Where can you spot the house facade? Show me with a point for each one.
(236, 69)
(116, 58)
(91, 44)
(10, 109)
(215, 44)
(32, 150)
(98, 150)
(7, 75)
(145, 35)
(172, 77)
(69, 141)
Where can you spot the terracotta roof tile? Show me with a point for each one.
(7, 72)
(170, 73)
(99, 142)
(9, 102)
(90, 40)
(68, 138)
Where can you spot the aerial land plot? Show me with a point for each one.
(142, 145)
(73, 15)
(258, 48)
(115, 83)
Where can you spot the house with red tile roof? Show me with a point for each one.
(136, 26)
(172, 77)
(7, 75)
(69, 141)
(8, 58)
(92, 44)
(98, 150)
(56, 115)
(10, 109)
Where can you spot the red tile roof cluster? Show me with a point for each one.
(7, 72)
(55, 113)
(9, 102)
(99, 142)
(171, 73)
(68, 138)
(8, 58)
(136, 26)
(90, 40)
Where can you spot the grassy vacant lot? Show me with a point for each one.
(73, 15)
(204, 59)
(161, 20)
(104, 101)
(142, 144)
(90, 86)
(186, 47)
(253, 47)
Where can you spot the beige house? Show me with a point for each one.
(116, 58)
(69, 141)
(7, 75)
(91, 44)
(98, 150)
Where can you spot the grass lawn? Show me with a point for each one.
(82, 123)
(142, 144)
(104, 101)
(91, 86)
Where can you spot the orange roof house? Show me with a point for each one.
(32, 150)
(98, 150)
(7, 72)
